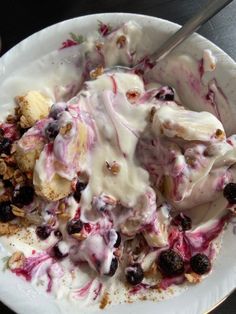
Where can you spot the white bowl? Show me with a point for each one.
(21, 296)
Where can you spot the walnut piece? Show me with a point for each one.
(8, 229)
(16, 260)
(193, 278)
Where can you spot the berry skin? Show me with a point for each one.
(118, 240)
(5, 146)
(80, 186)
(59, 252)
(230, 193)
(166, 93)
(23, 196)
(74, 226)
(6, 213)
(51, 130)
(43, 232)
(56, 109)
(134, 274)
(113, 267)
(183, 222)
(58, 234)
(170, 263)
(200, 264)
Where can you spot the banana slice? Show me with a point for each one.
(174, 121)
(33, 107)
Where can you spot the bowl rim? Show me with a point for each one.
(22, 45)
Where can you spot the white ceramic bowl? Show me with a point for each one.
(20, 295)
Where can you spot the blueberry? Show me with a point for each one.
(5, 146)
(183, 222)
(56, 109)
(43, 232)
(58, 234)
(166, 93)
(23, 196)
(57, 253)
(6, 213)
(170, 263)
(118, 240)
(7, 184)
(80, 186)
(134, 274)
(113, 267)
(230, 193)
(74, 226)
(200, 263)
(51, 130)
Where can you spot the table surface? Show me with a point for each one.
(22, 18)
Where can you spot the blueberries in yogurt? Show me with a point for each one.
(200, 264)
(56, 109)
(43, 232)
(5, 146)
(80, 186)
(183, 222)
(6, 213)
(113, 267)
(170, 263)
(23, 195)
(230, 193)
(166, 93)
(134, 274)
(51, 130)
(74, 226)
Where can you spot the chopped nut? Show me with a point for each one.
(8, 229)
(19, 212)
(61, 208)
(66, 129)
(11, 119)
(220, 134)
(104, 301)
(5, 197)
(29, 175)
(10, 160)
(25, 222)
(121, 41)
(3, 167)
(190, 161)
(152, 112)
(16, 260)
(79, 236)
(193, 277)
(64, 216)
(114, 167)
(96, 72)
(18, 176)
(118, 253)
(9, 173)
(99, 46)
(133, 95)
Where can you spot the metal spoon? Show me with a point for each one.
(212, 8)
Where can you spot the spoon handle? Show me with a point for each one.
(212, 7)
